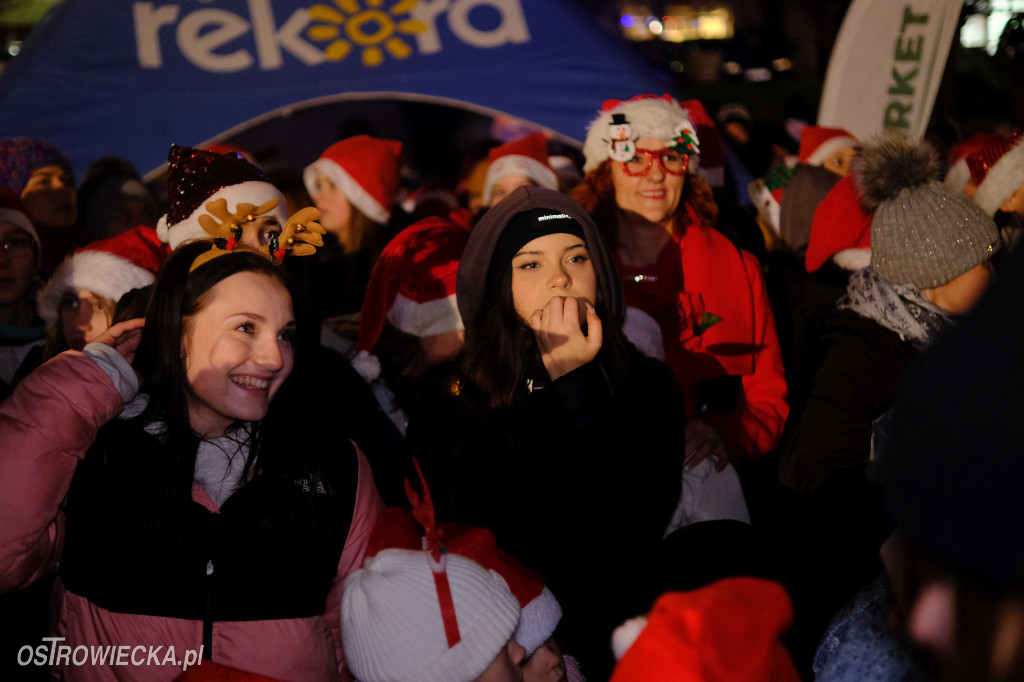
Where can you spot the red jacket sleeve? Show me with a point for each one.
(755, 426)
(46, 427)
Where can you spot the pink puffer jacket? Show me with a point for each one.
(46, 427)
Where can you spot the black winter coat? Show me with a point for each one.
(853, 370)
(578, 484)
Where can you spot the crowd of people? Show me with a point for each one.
(703, 404)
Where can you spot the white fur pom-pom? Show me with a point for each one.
(367, 365)
(853, 259)
(626, 634)
(161, 229)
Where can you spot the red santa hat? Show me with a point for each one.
(998, 170)
(711, 162)
(959, 172)
(365, 169)
(110, 267)
(412, 286)
(841, 229)
(526, 156)
(728, 631)
(195, 177)
(817, 143)
(12, 210)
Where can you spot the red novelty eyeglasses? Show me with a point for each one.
(671, 162)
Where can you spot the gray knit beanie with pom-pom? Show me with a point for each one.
(922, 232)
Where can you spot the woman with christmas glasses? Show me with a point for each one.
(707, 296)
(154, 475)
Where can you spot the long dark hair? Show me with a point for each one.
(160, 358)
(500, 351)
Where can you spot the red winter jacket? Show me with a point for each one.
(699, 272)
(46, 428)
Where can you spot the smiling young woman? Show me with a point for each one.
(181, 508)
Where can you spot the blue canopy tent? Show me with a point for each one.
(101, 77)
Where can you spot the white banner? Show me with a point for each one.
(887, 64)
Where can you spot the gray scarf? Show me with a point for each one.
(901, 308)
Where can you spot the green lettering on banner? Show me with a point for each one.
(908, 49)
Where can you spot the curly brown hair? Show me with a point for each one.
(596, 194)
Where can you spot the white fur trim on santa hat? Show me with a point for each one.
(255, 192)
(853, 259)
(958, 175)
(626, 634)
(537, 621)
(430, 318)
(767, 205)
(644, 332)
(18, 219)
(1003, 179)
(100, 272)
(828, 147)
(366, 365)
(652, 117)
(513, 164)
(353, 191)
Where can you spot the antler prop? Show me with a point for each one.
(301, 236)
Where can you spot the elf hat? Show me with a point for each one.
(817, 143)
(412, 286)
(959, 172)
(726, 632)
(711, 162)
(12, 210)
(195, 177)
(397, 528)
(646, 116)
(365, 169)
(998, 170)
(526, 156)
(110, 267)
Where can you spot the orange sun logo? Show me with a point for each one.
(370, 28)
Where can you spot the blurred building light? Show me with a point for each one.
(683, 22)
(654, 26)
(677, 66)
(14, 48)
(633, 19)
(758, 75)
(782, 64)
(732, 68)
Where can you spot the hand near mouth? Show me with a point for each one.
(563, 345)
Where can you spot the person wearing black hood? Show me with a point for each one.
(549, 428)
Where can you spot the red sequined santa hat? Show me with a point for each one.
(526, 156)
(365, 169)
(817, 143)
(110, 267)
(196, 177)
(959, 172)
(728, 631)
(998, 170)
(412, 286)
(12, 210)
